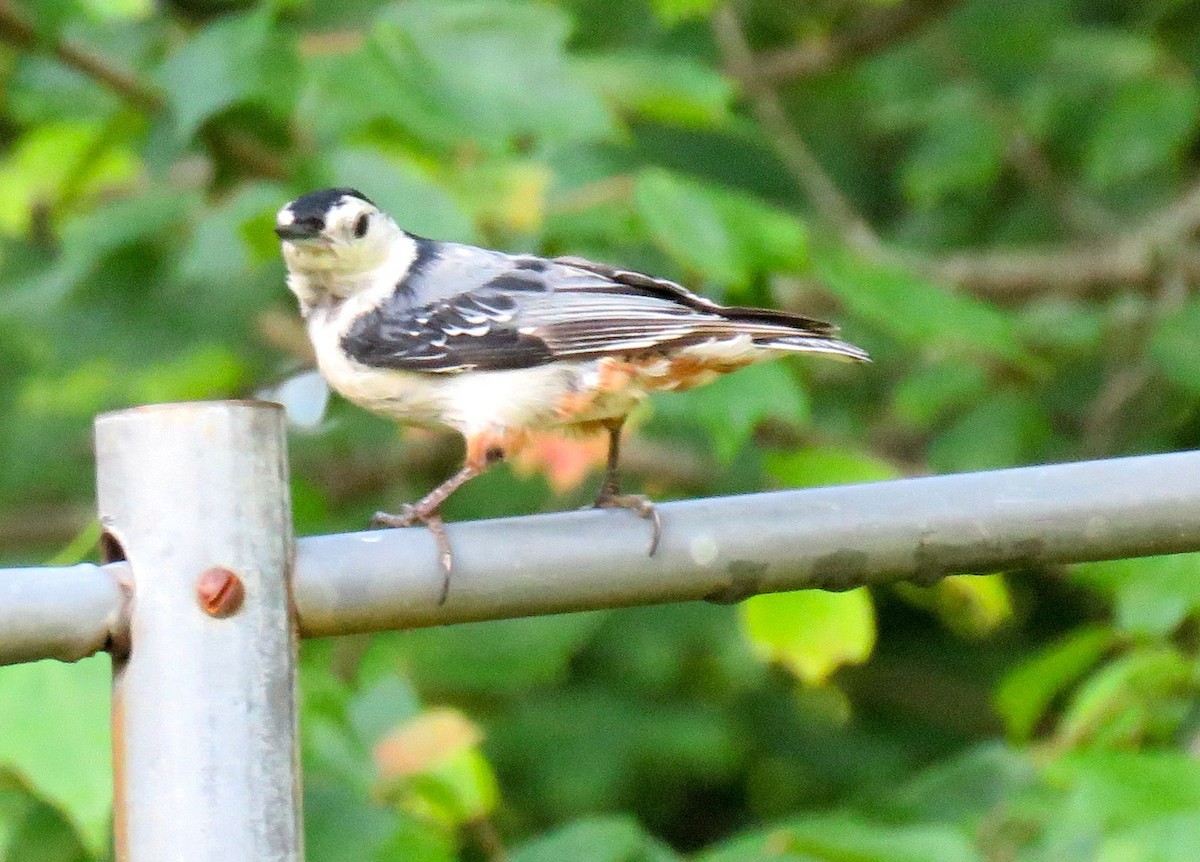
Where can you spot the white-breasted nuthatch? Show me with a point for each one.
(498, 345)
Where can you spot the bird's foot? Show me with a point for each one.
(414, 514)
(640, 504)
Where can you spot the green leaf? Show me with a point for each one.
(499, 656)
(726, 236)
(225, 240)
(40, 833)
(926, 395)
(1028, 691)
(398, 187)
(674, 11)
(685, 219)
(1173, 347)
(1161, 839)
(960, 152)
(340, 824)
(858, 839)
(50, 157)
(1140, 696)
(431, 767)
(916, 312)
(1113, 790)
(817, 466)
(1149, 124)
(118, 10)
(88, 239)
(1061, 324)
(597, 839)
(1105, 54)
(847, 838)
(517, 80)
(208, 371)
(810, 632)
(667, 88)
(1004, 431)
(970, 605)
(240, 58)
(50, 16)
(1153, 594)
(379, 707)
(967, 787)
(63, 752)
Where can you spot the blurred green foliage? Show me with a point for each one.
(997, 198)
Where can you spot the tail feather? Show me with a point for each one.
(816, 344)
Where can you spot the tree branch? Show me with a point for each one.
(19, 33)
(1161, 242)
(820, 188)
(873, 32)
(1133, 256)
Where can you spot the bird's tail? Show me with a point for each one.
(815, 344)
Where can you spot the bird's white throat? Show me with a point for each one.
(320, 273)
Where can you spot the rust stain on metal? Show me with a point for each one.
(220, 592)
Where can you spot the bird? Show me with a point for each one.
(497, 346)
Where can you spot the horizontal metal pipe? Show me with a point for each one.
(721, 549)
(725, 549)
(67, 613)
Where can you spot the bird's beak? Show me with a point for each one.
(298, 230)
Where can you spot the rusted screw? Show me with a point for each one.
(220, 592)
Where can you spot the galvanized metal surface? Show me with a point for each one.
(724, 549)
(204, 706)
(67, 613)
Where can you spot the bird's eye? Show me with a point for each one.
(360, 226)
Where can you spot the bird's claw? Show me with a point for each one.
(411, 515)
(641, 505)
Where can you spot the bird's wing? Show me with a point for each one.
(539, 311)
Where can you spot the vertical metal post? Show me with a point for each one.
(205, 754)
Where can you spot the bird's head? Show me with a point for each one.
(337, 242)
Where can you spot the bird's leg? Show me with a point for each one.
(427, 510)
(610, 496)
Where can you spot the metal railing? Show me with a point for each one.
(207, 593)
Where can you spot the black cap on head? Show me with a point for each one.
(316, 204)
(308, 212)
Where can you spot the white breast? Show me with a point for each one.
(416, 399)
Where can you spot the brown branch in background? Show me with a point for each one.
(1162, 242)
(1175, 221)
(250, 153)
(1067, 270)
(1082, 215)
(1135, 255)
(18, 32)
(873, 32)
(1129, 368)
(820, 188)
